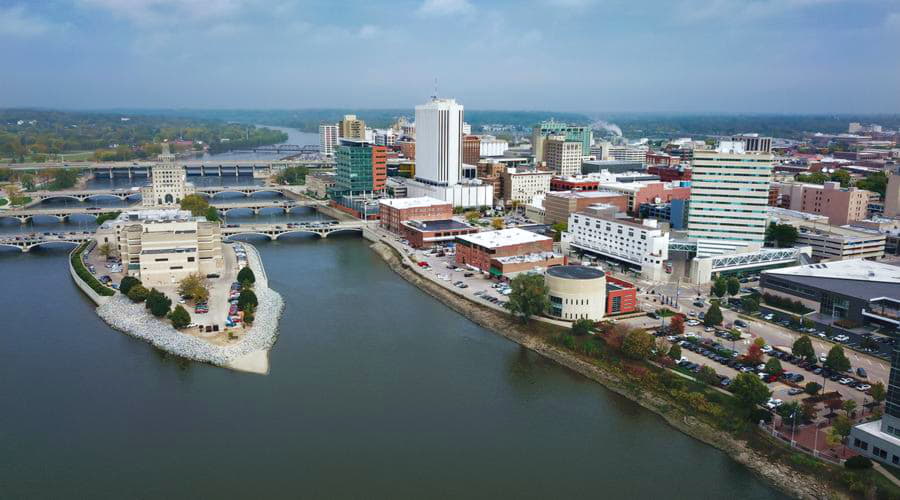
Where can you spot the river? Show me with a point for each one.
(376, 390)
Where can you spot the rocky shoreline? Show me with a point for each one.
(133, 319)
(785, 478)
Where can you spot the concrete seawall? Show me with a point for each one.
(94, 296)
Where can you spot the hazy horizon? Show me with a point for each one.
(614, 56)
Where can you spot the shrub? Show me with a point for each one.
(785, 303)
(138, 293)
(179, 317)
(246, 277)
(858, 462)
(127, 283)
(247, 298)
(86, 276)
(158, 303)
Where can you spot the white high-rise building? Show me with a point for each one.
(168, 182)
(729, 196)
(439, 133)
(328, 139)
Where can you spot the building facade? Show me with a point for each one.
(559, 205)
(360, 168)
(562, 156)
(841, 205)
(320, 184)
(439, 142)
(471, 149)
(478, 250)
(831, 243)
(576, 292)
(168, 182)
(729, 196)
(574, 133)
(328, 139)
(522, 186)
(394, 212)
(351, 127)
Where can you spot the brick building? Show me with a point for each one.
(471, 149)
(621, 296)
(478, 250)
(398, 210)
(559, 205)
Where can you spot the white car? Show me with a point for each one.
(693, 322)
(842, 338)
(845, 381)
(863, 387)
(823, 358)
(709, 329)
(768, 317)
(766, 348)
(774, 403)
(691, 335)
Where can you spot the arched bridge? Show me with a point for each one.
(273, 231)
(25, 214)
(28, 241)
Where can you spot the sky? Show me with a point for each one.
(781, 56)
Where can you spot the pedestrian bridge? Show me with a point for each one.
(26, 242)
(274, 231)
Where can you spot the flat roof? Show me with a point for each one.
(585, 194)
(573, 272)
(503, 237)
(859, 278)
(436, 225)
(417, 202)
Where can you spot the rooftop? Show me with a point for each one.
(530, 257)
(848, 270)
(418, 202)
(436, 225)
(575, 272)
(503, 237)
(584, 194)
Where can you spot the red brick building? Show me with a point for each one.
(478, 250)
(425, 234)
(669, 174)
(395, 211)
(573, 184)
(621, 296)
(471, 149)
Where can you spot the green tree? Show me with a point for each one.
(127, 283)
(497, 223)
(249, 314)
(675, 352)
(212, 214)
(781, 235)
(158, 303)
(836, 359)
(194, 286)
(843, 177)
(812, 388)
(581, 327)
(841, 428)
(247, 298)
(750, 390)
(197, 204)
(750, 304)
(138, 293)
(804, 349)
(638, 344)
(472, 216)
(849, 405)
(790, 412)
(878, 392)
(179, 317)
(293, 176)
(733, 286)
(528, 296)
(713, 315)
(558, 229)
(875, 182)
(105, 250)
(708, 375)
(246, 277)
(719, 287)
(773, 366)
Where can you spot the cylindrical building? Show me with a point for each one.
(576, 292)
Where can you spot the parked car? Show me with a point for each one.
(861, 372)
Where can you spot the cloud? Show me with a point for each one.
(152, 12)
(742, 10)
(15, 22)
(436, 8)
(892, 21)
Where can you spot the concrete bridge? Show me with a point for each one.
(286, 206)
(273, 231)
(26, 242)
(135, 193)
(203, 168)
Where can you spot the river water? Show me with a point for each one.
(376, 390)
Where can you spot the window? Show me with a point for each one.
(862, 445)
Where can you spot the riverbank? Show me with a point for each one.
(783, 476)
(249, 355)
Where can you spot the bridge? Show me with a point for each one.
(255, 206)
(126, 193)
(26, 242)
(193, 168)
(273, 231)
(279, 148)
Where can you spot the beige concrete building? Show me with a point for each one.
(160, 247)
(892, 196)
(559, 205)
(563, 157)
(351, 127)
(168, 183)
(841, 205)
(576, 292)
(523, 185)
(318, 184)
(833, 243)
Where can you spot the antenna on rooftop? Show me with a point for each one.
(434, 96)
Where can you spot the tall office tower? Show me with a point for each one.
(729, 194)
(892, 194)
(361, 168)
(351, 127)
(328, 139)
(753, 143)
(541, 131)
(439, 133)
(563, 156)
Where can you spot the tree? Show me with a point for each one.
(127, 283)
(858, 462)
(754, 354)
(158, 303)
(676, 324)
(138, 293)
(803, 348)
(212, 214)
(582, 327)
(194, 286)
(558, 229)
(840, 428)
(528, 296)
(637, 344)
(198, 205)
(246, 277)
(750, 304)
(249, 315)
(713, 316)
(773, 366)
(733, 286)
(750, 390)
(708, 376)
(247, 298)
(790, 412)
(497, 223)
(781, 235)
(812, 388)
(105, 250)
(842, 176)
(472, 216)
(294, 176)
(849, 405)
(808, 410)
(719, 287)
(836, 359)
(675, 352)
(878, 392)
(179, 317)
(875, 182)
